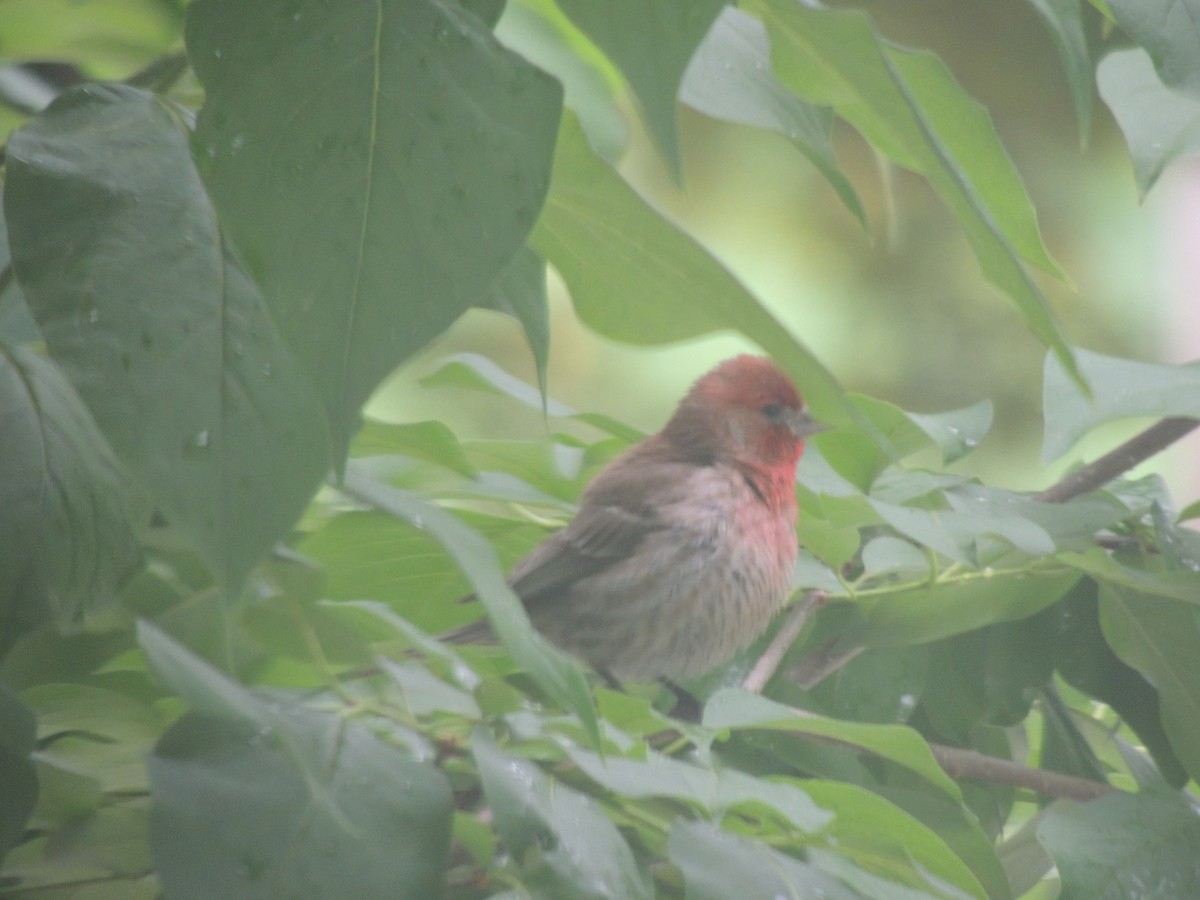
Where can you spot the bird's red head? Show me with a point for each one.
(745, 410)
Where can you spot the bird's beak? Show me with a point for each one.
(803, 425)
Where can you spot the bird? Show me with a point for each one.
(683, 547)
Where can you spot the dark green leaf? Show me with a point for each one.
(1064, 19)
(1170, 31)
(1161, 639)
(66, 518)
(18, 780)
(717, 865)
(303, 804)
(651, 45)
(169, 344)
(521, 292)
(907, 104)
(730, 78)
(384, 191)
(1124, 846)
(564, 842)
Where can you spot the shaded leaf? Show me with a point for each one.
(1064, 20)
(717, 865)
(163, 335)
(1161, 639)
(521, 292)
(565, 843)
(651, 44)
(18, 779)
(384, 191)
(1170, 32)
(66, 518)
(1123, 846)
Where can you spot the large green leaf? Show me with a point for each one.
(635, 277)
(1170, 32)
(1121, 388)
(651, 44)
(1161, 639)
(170, 345)
(730, 78)
(1124, 846)
(1160, 126)
(377, 163)
(565, 843)
(66, 520)
(907, 104)
(731, 708)
(264, 799)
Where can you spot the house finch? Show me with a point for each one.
(683, 548)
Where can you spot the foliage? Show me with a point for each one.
(219, 585)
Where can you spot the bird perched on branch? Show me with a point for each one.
(683, 547)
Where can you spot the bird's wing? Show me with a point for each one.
(619, 511)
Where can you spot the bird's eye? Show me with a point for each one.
(773, 411)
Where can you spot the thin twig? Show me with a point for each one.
(793, 624)
(1100, 472)
(960, 763)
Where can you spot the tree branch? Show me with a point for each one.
(768, 664)
(1103, 470)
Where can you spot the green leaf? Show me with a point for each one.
(883, 839)
(635, 277)
(717, 865)
(1064, 20)
(1170, 31)
(1160, 126)
(431, 441)
(957, 432)
(18, 780)
(1123, 846)
(378, 164)
(1121, 389)
(303, 804)
(931, 612)
(651, 45)
(556, 673)
(713, 790)
(907, 104)
(730, 78)
(258, 799)
(564, 842)
(1146, 575)
(66, 519)
(1161, 639)
(521, 292)
(117, 249)
(737, 709)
